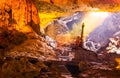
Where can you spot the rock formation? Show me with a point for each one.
(55, 29)
(78, 1)
(92, 3)
(20, 41)
(20, 15)
(20, 31)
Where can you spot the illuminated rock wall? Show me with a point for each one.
(20, 15)
(19, 23)
(68, 2)
(63, 2)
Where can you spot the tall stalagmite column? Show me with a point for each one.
(82, 33)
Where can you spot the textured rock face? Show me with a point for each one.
(72, 2)
(60, 1)
(86, 5)
(55, 29)
(59, 32)
(80, 1)
(19, 23)
(16, 19)
(34, 48)
(19, 15)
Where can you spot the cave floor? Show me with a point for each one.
(88, 64)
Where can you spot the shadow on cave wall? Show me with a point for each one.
(10, 38)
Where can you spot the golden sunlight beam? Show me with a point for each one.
(93, 20)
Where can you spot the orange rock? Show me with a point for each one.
(21, 13)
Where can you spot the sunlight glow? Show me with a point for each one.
(46, 18)
(93, 20)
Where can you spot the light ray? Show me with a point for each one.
(91, 21)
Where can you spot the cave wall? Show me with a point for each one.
(83, 5)
(19, 21)
(20, 15)
(68, 2)
(64, 2)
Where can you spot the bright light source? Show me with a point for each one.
(99, 14)
(93, 20)
(95, 9)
